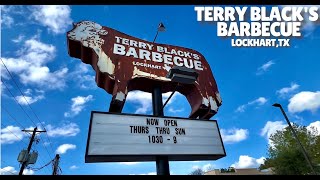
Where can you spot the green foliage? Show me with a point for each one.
(225, 170)
(285, 155)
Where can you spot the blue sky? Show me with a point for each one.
(62, 92)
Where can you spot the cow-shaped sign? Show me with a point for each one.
(124, 63)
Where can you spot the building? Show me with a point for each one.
(244, 171)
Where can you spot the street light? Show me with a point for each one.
(162, 162)
(161, 28)
(176, 74)
(296, 137)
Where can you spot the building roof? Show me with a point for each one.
(243, 171)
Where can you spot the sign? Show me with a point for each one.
(124, 63)
(127, 137)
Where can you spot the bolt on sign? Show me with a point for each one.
(126, 137)
(124, 63)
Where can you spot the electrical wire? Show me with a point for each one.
(23, 111)
(60, 170)
(14, 134)
(27, 102)
(20, 140)
(2, 162)
(12, 117)
(37, 169)
(28, 105)
(18, 103)
(7, 170)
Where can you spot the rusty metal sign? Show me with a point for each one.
(124, 63)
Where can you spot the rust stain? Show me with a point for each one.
(124, 63)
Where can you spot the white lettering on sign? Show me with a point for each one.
(159, 54)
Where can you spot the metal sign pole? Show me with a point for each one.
(162, 162)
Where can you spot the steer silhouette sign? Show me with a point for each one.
(124, 63)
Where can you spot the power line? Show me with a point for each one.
(18, 102)
(7, 170)
(27, 102)
(46, 169)
(42, 162)
(60, 170)
(12, 117)
(11, 166)
(37, 169)
(22, 140)
(25, 113)
(14, 133)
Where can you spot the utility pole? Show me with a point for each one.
(24, 164)
(56, 164)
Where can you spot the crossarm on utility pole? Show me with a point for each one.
(34, 131)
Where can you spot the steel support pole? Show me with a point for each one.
(162, 162)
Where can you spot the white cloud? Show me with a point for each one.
(55, 17)
(84, 76)
(28, 172)
(205, 168)
(303, 101)
(6, 20)
(286, 90)
(71, 129)
(78, 103)
(64, 148)
(175, 110)
(234, 135)
(9, 170)
(265, 67)
(315, 125)
(73, 167)
(18, 39)
(270, 128)
(246, 161)
(14, 9)
(259, 101)
(196, 167)
(22, 100)
(1, 87)
(129, 163)
(46, 143)
(30, 65)
(7, 12)
(11, 134)
(28, 97)
(87, 82)
(144, 99)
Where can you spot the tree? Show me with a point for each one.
(197, 171)
(285, 155)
